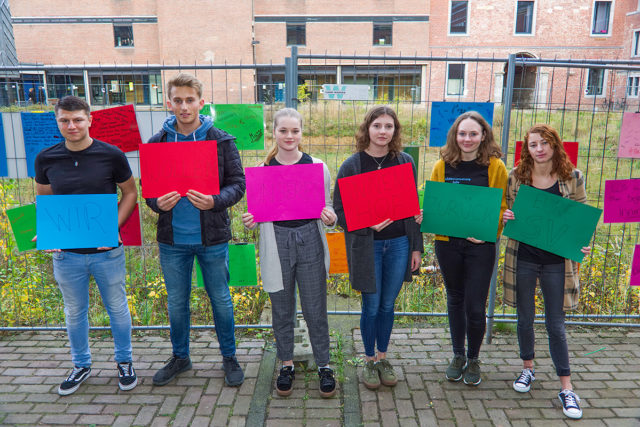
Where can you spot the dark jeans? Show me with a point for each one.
(552, 284)
(466, 268)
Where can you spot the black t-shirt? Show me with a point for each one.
(369, 164)
(292, 223)
(534, 255)
(95, 170)
(469, 173)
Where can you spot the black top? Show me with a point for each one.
(469, 173)
(369, 164)
(95, 170)
(292, 223)
(534, 255)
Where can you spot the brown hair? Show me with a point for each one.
(284, 112)
(362, 136)
(561, 166)
(182, 80)
(72, 103)
(488, 148)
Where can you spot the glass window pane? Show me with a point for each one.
(123, 35)
(382, 34)
(601, 17)
(458, 17)
(595, 81)
(296, 34)
(455, 79)
(524, 17)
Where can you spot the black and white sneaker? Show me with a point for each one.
(570, 404)
(73, 381)
(523, 383)
(127, 378)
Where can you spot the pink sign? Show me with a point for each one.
(635, 267)
(280, 193)
(622, 200)
(629, 145)
(130, 230)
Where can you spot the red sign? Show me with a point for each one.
(130, 230)
(117, 126)
(179, 166)
(570, 147)
(372, 197)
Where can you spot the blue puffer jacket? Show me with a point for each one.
(214, 223)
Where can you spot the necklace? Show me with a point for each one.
(381, 162)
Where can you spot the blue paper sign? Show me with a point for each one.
(4, 170)
(77, 221)
(443, 114)
(40, 130)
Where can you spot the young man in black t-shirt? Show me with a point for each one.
(82, 165)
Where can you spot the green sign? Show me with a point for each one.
(552, 223)
(23, 224)
(242, 266)
(460, 210)
(244, 121)
(414, 152)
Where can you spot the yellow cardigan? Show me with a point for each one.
(497, 179)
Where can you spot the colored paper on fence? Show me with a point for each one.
(77, 221)
(242, 266)
(553, 223)
(244, 121)
(130, 232)
(337, 253)
(117, 126)
(571, 147)
(635, 267)
(179, 166)
(443, 114)
(4, 167)
(460, 210)
(371, 197)
(629, 145)
(40, 130)
(23, 225)
(622, 200)
(414, 152)
(206, 110)
(279, 193)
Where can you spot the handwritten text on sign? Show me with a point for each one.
(278, 193)
(570, 147)
(179, 166)
(443, 114)
(635, 267)
(622, 200)
(77, 221)
(244, 121)
(117, 126)
(40, 130)
(629, 145)
(23, 224)
(370, 198)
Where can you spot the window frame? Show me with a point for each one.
(115, 36)
(635, 76)
(378, 44)
(304, 35)
(449, 15)
(602, 89)
(464, 80)
(635, 43)
(533, 19)
(612, 4)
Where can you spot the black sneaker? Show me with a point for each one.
(570, 404)
(73, 381)
(127, 378)
(233, 375)
(174, 366)
(523, 382)
(327, 382)
(284, 383)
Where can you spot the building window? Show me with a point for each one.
(123, 35)
(595, 81)
(455, 79)
(635, 48)
(601, 17)
(524, 17)
(458, 17)
(296, 34)
(382, 34)
(632, 86)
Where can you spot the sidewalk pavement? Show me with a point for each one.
(606, 375)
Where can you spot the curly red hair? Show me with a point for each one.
(562, 166)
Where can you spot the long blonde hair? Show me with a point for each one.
(285, 112)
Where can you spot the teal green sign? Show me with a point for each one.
(242, 266)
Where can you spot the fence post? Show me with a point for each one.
(291, 79)
(506, 121)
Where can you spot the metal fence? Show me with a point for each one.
(584, 100)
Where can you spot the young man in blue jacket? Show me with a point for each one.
(197, 226)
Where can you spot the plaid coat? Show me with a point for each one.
(572, 189)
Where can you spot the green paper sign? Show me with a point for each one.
(23, 224)
(206, 110)
(552, 223)
(242, 266)
(244, 121)
(414, 152)
(460, 210)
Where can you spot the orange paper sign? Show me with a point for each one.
(338, 253)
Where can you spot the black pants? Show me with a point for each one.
(466, 268)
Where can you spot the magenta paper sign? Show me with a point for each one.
(635, 267)
(622, 200)
(629, 145)
(279, 193)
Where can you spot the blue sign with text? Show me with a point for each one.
(443, 114)
(40, 130)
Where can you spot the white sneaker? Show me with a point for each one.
(523, 383)
(570, 404)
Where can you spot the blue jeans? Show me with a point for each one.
(177, 266)
(72, 272)
(391, 258)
